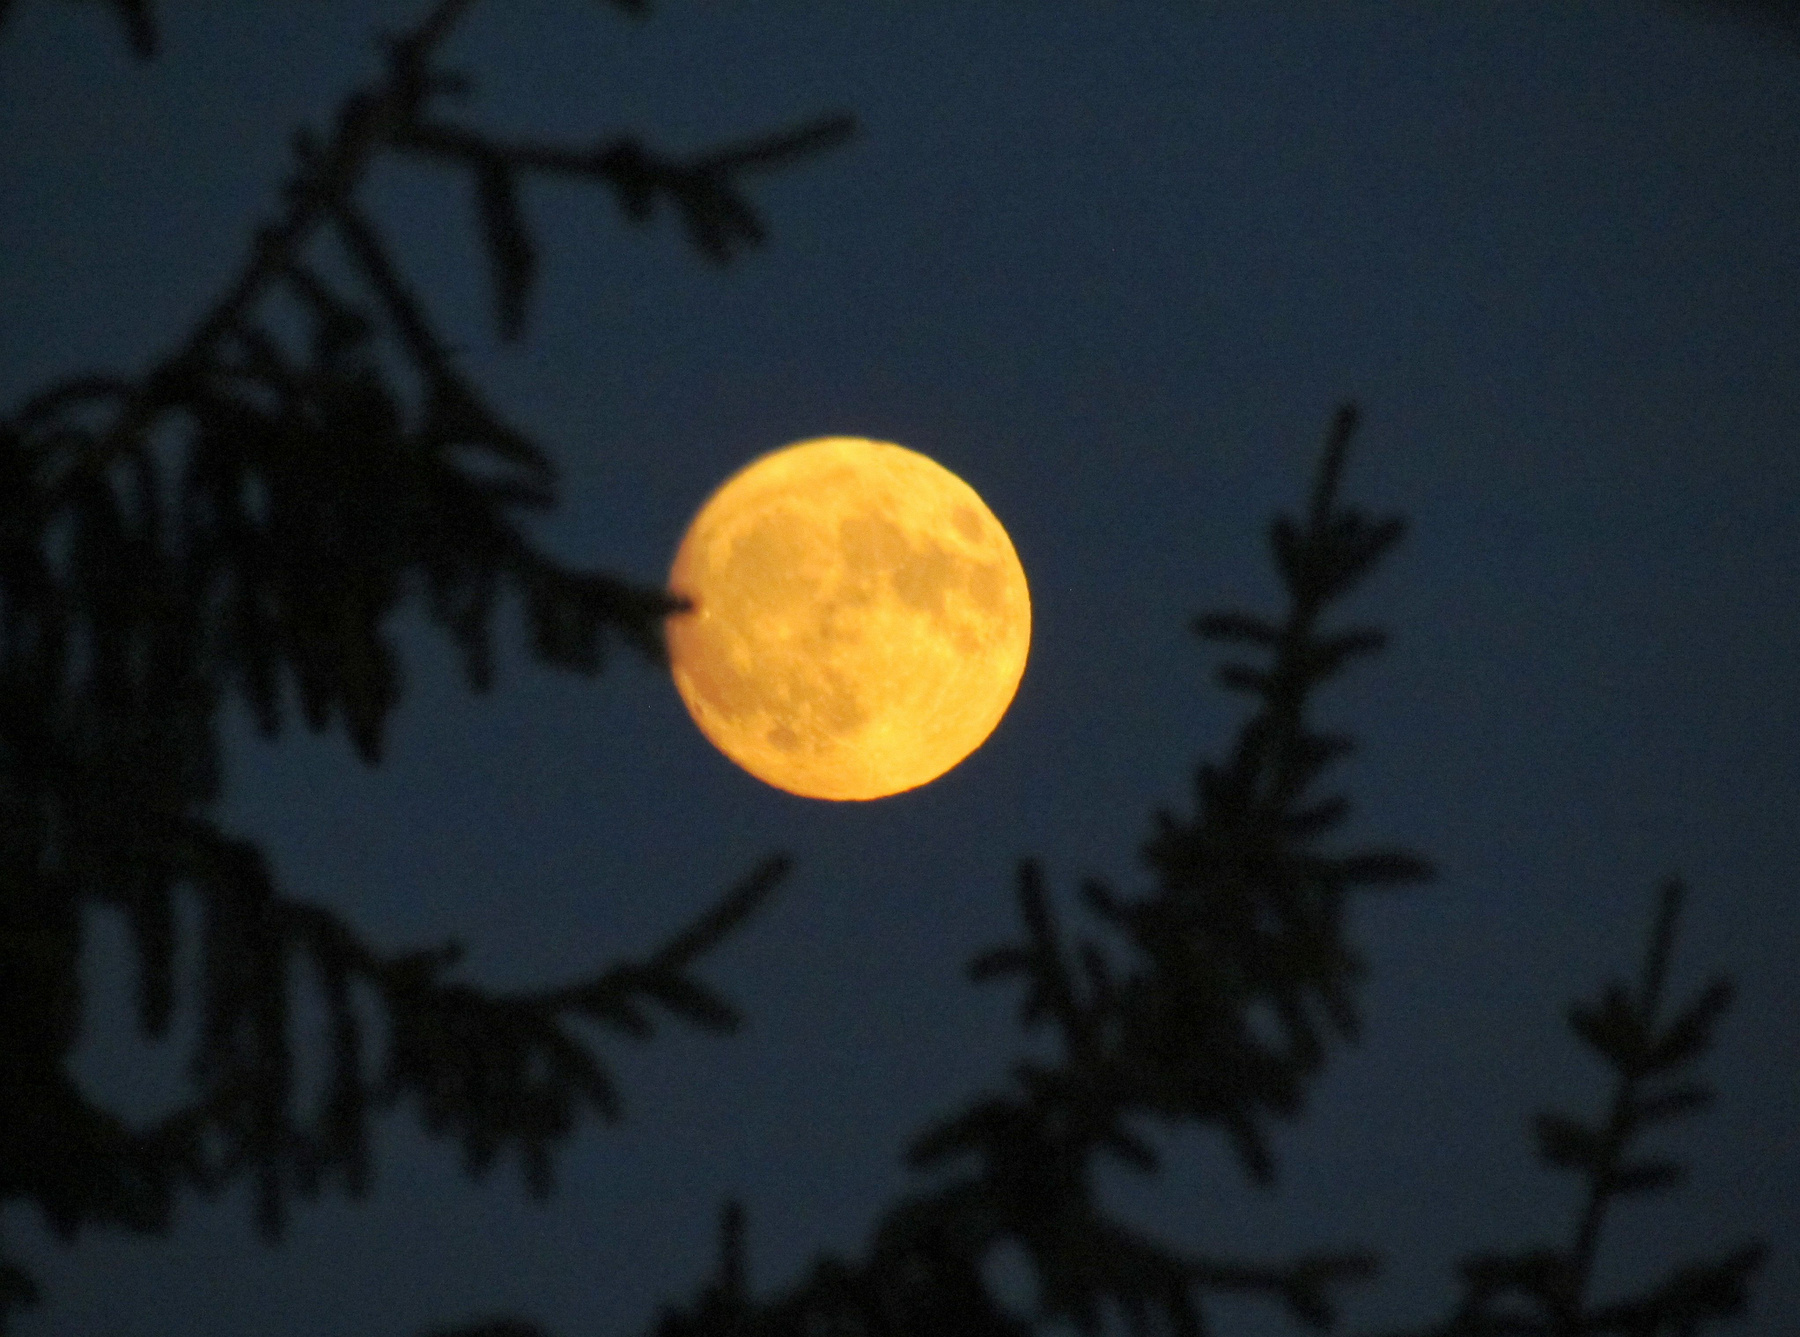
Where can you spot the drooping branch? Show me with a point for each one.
(248, 517)
(497, 1072)
(702, 187)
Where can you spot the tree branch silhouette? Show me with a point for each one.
(1544, 1290)
(247, 517)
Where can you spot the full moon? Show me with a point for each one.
(859, 620)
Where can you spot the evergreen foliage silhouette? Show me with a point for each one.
(1545, 1289)
(246, 517)
(304, 497)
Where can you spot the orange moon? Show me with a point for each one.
(859, 619)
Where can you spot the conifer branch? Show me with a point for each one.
(495, 1071)
(308, 500)
(1543, 1290)
(325, 181)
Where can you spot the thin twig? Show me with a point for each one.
(1593, 1215)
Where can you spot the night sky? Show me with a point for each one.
(1115, 266)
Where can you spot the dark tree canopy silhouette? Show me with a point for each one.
(246, 516)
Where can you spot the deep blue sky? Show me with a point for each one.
(1114, 266)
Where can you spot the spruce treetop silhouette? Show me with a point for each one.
(312, 493)
(1546, 1289)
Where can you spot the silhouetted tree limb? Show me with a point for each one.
(1543, 1290)
(247, 517)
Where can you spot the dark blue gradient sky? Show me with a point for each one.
(1115, 266)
